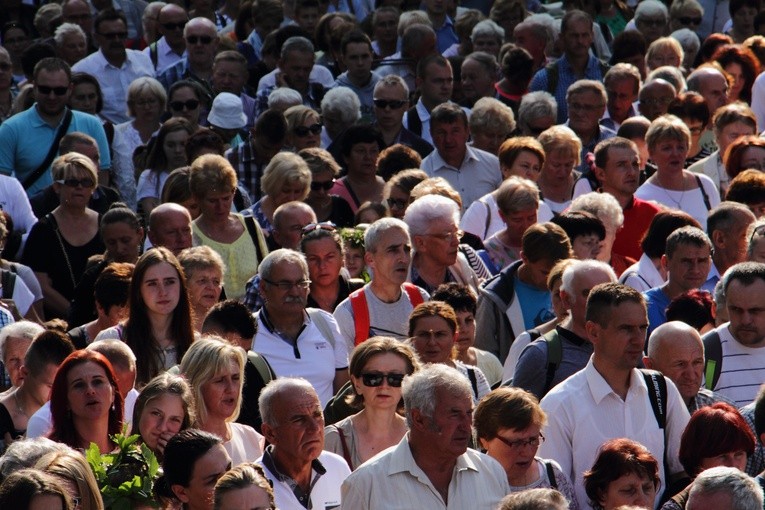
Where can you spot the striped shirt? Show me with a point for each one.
(742, 371)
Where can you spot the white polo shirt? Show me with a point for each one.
(312, 357)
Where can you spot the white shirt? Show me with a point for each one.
(14, 201)
(114, 81)
(147, 184)
(642, 275)
(758, 101)
(475, 218)
(319, 74)
(583, 412)
(742, 371)
(245, 445)
(126, 140)
(689, 201)
(165, 55)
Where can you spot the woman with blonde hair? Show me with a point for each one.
(303, 127)
(664, 51)
(30, 489)
(204, 270)
(562, 155)
(493, 123)
(245, 482)
(215, 371)
(73, 472)
(164, 408)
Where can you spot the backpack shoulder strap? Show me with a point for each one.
(262, 366)
(360, 315)
(488, 217)
(414, 293)
(713, 361)
(657, 393)
(154, 54)
(8, 282)
(552, 77)
(414, 123)
(473, 380)
(551, 474)
(554, 357)
(257, 237)
(321, 323)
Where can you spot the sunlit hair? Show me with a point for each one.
(242, 476)
(165, 384)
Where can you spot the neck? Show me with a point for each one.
(387, 292)
(720, 263)
(617, 378)
(67, 211)
(675, 181)
(363, 179)
(588, 136)
(430, 459)
(201, 69)
(53, 120)
(438, 20)
(578, 64)
(624, 199)
(466, 356)
(297, 469)
(116, 59)
(574, 326)
(672, 289)
(216, 426)
(429, 271)
(557, 191)
(327, 291)
(215, 223)
(455, 161)
(359, 83)
(93, 432)
(160, 325)
(511, 88)
(146, 127)
(177, 46)
(389, 135)
(523, 275)
(284, 321)
(504, 236)
(378, 422)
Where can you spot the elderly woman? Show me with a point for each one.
(146, 100)
(685, 14)
(433, 226)
(744, 153)
(652, 20)
(286, 178)
(324, 171)
(378, 366)
(556, 180)
(59, 245)
(204, 270)
(487, 37)
(303, 127)
(692, 109)
(399, 187)
(729, 123)
(664, 51)
(215, 371)
(668, 140)
(508, 423)
(71, 43)
(479, 74)
(491, 123)
(239, 241)
(536, 113)
(748, 188)
(742, 64)
(340, 109)
(360, 146)
(606, 208)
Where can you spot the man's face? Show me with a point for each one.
(577, 38)
(655, 98)
(170, 23)
(296, 69)
(525, 38)
(289, 230)
(450, 427)
(584, 111)
(450, 140)
(389, 112)
(78, 12)
(682, 360)
(111, 36)
(436, 84)
(173, 231)
(731, 246)
(49, 86)
(746, 310)
(386, 27)
(621, 94)
(201, 44)
(229, 77)
(440, 244)
(435, 7)
(390, 261)
(652, 27)
(307, 18)
(619, 344)
(358, 60)
(538, 272)
(265, 149)
(714, 88)
(15, 349)
(689, 16)
(621, 175)
(285, 289)
(298, 434)
(689, 265)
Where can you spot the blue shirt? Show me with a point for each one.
(566, 78)
(657, 302)
(536, 304)
(445, 35)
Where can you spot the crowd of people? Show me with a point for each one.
(351, 254)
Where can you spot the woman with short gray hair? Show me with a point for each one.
(491, 123)
(479, 74)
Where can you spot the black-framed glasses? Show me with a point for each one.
(375, 380)
(325, 225)
(397, 203)
(45, 90)
(287, 286)
(759, 231)
(326, 185)
(174, 26)
(114, 36)
(521, 443)
(685, 20)
(303, 131)
(5, 66)
(191, 104)
(75, 183)
(199, 39)
(384, 103)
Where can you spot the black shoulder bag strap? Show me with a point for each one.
(249, 221)
(473, 380)
(40, 170)
(551, 475)
(707, 203)
(657, 394)
(413, 121)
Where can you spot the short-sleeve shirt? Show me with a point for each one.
(537, 304)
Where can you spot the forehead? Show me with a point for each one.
(390, 92)
(589, 96)
(197, 28)
(160, 270)
(690, 250)
(296, 217)
(173, 219)
(298, 58)
(578, 26)
(358, 47)
(682, 345)
(655, 89)
(286, 269)
(171, 12)
(616, 154)
(295, 401)
(57, 77)
(452, 399)
(392, 237)
(86, 369)
(627, 313)
(435, 70)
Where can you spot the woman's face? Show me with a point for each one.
(89, 394)
(307, 134)
(289, 192)
(122, 242)
(558, 167)
(385, 395)
(559, 309)
(73, 49)
(696, 127)
(669, 155)
(465, 330)
(736, 459)
(629, 489)
(321, 183)
(663, 57)
(76, 190)
(160, 420)
(204, 286)
(325, 260)
(354, 261)
(216, 205)
(84, 98)
(488, 44)
(731, 132)
(476, 81)
(16, 41)
(526, 165)
(185, 103)
(398, 201)
(146, 107)
(206, 472)
(175, 149)
(433, 339)
(517, 222)
(161, 289)
(586, 246)
(247, 498)
(516, 458)
(735, 70)
(221, 393)
(363, 159)
(743, 19)
(488, 140)
(753, 157)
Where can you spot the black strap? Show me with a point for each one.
(707, 203)
(249, 221)
(551, 474)
(154, 54)
(488, 218)
(473, 380)
(352, 193)
(52, 151)
(712, 359)
(657, 394)
(413, 121)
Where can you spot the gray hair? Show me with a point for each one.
(409, 18)
(745, 492)
(269, 263)
(27, 330)
(273, 389)
(581, 86)
(719, 295)
(376, 230)
(297, 44)
(490, 114)
(145, 86)
(603, 205)
(534, 499)
(25, 454)
(419, 389)
(282, 98)
(414, 36)
(393, 80)
(66, 29)
(116, 351)
(543, 25)
(534, 105)
(752, 242)
(424, 210)
(487, 28)
(671, 75)
(343, 101)
(688, 40)
(651, 8)
(578, 267)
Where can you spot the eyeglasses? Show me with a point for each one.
(758, 231)
(517, 445)
(652, 22)
(397, 203)
(689, 21)
(59, 91)
(199, 39)
(302, 131)
(326, 186)
(75, 183)
(114, 36)
(191, 104)
(384, 103)
(174, 26)
(375, 380)
(287, 286)
(326, 225)
(448, 236)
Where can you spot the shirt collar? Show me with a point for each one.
(600, 389)
(402, 461)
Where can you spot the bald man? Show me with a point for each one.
(655, 97)
(170, 226)
(289, 220)
(675, 349)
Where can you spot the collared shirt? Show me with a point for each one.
(477, 176)
(566, 78)
(181, 71)
(396, 64)
(319, 74)
(392, 480)
(248, 170)
(584, 411)
(114, 81)
(756, 462)
(642, 276)
(446, 36)
(165, 54)
(706, 398)
(712, 278)
(604, 133)
(610, 123)
(424, 116)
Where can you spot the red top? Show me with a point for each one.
(637, 218)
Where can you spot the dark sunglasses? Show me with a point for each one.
(114, 36)
(326, 186)
(375, 380)
(759, 231)
(303, 131)
(384, 103)
(75, 183)
(59, 91)
(5, 66)
(196, 39)
(174, 26)
(325, 225)
(191, 104)
(689, 21)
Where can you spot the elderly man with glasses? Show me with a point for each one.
(202, 40)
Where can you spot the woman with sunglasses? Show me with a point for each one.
(60, 244)
(303, 127)
(184, 99)
(378, 366)
(324, 170)
(508, 423)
